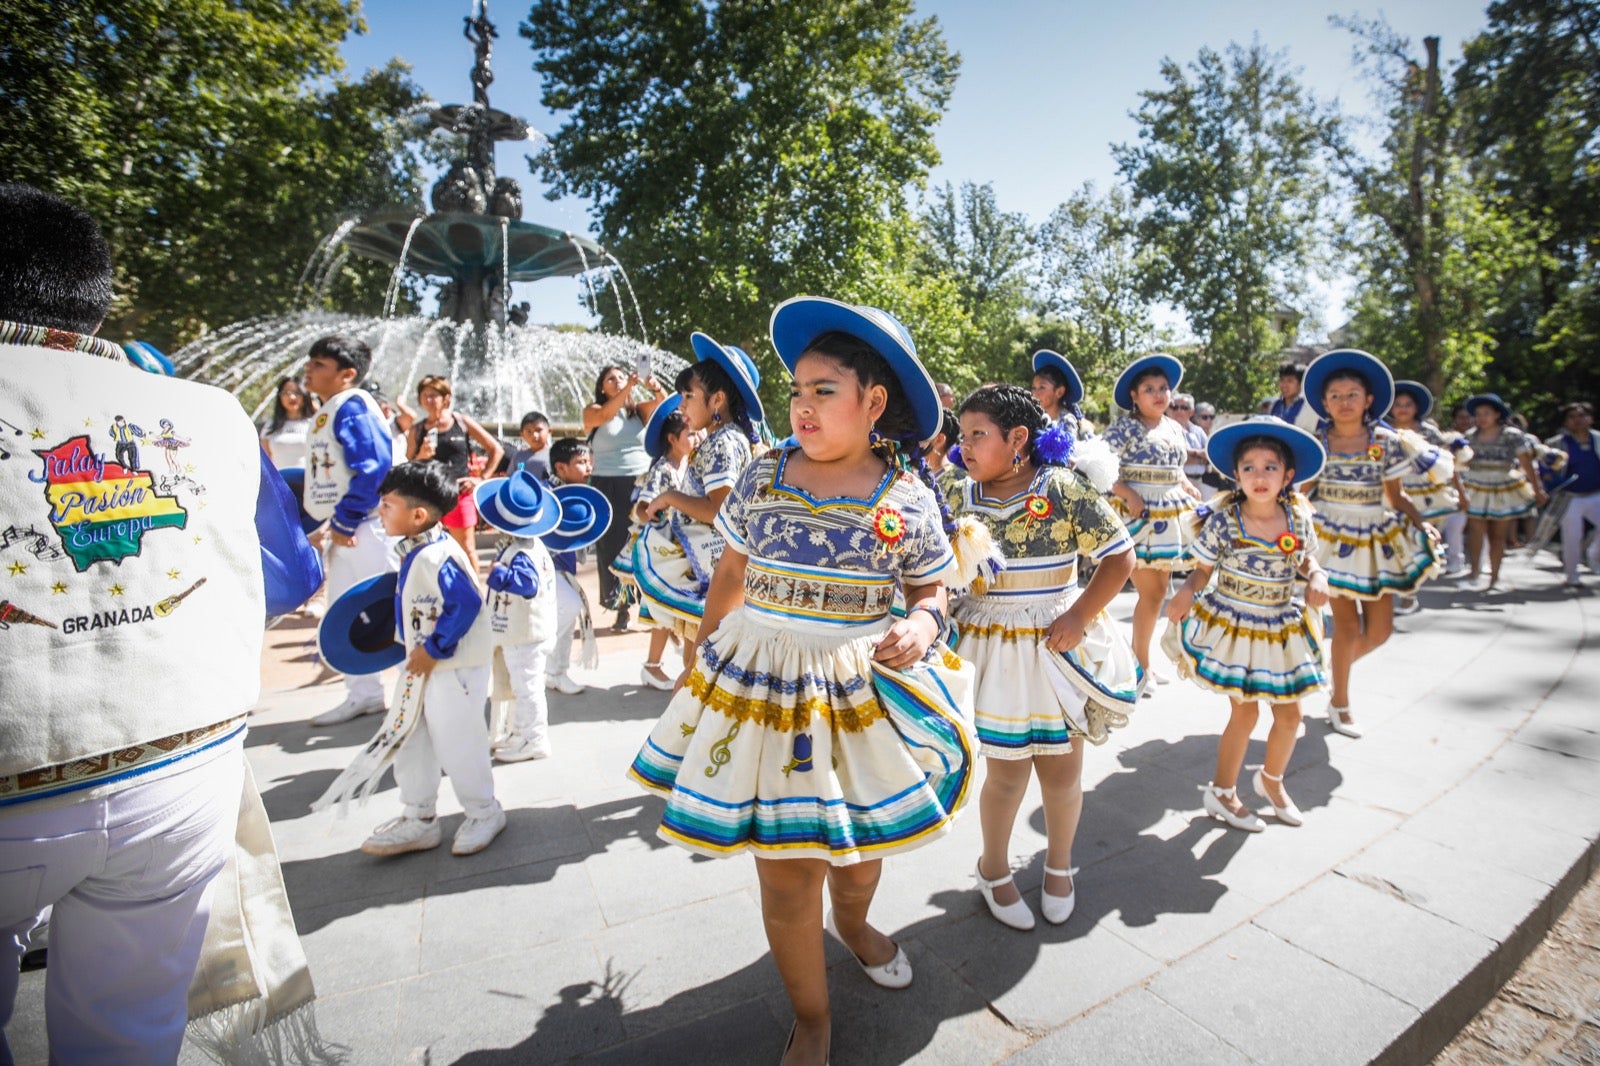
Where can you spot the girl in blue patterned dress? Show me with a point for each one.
(1053, 669)
(673, 559)
(1371, 540)
(1501, 482)
(1443, 503)
(1247, 637)
(1151, 493)
(814, 729)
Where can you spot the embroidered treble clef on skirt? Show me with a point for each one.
(720, 755)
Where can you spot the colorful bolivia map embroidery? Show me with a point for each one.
(101, 509)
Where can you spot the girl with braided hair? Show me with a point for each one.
(1247, 636)
(815, 729)
(675, 555)
(1053, 669)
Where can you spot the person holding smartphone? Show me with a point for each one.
(616, 437)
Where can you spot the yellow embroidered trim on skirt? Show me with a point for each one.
(1350, 495)
(1265, 593)
(1228, 623)
(1149, 475)
(844, 718)
(807, 597)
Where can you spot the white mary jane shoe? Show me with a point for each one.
(1219, 810)
(1336, 722)
(1288, 814)
(1057, 909)
(896, 973)
(1016, 915)
(650, 679)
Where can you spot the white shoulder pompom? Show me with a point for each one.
(1435, 463)
(1094, 459)
(977, 559)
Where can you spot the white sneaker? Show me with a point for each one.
(476, 834)
(351, 708)
(520, 749)
(403, 834)
(563, 683)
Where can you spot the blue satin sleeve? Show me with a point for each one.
(368, 452)
(460, 608)
(519, 578)
(291, 569)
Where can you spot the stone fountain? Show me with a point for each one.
(476, 243)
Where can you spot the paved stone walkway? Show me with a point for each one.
(1437, 851)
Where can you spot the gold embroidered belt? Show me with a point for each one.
(1016, 579)
(804, 594)
(1265, 593)
(1150, 475)
(94, 770)
(1359, 495)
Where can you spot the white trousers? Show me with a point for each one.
(125, 879)
(372, 554)
(530, 709)
(1580, 509)
(452, 736)
(569, 605)
(1453, 528)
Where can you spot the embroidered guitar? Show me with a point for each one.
(170, 604)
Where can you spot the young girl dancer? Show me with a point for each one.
(1442, 503)
(1059, 390)
(673, 562)
(1502, 485)
(1370, 538)
(1052, 668)
(1246, 637)
(1152, 495)
(814, 729)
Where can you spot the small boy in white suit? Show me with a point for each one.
(436, 720)
(522, 611)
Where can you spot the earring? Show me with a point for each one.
(873, 436)
(1016, 462)
(716, 418)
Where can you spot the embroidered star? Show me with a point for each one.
(173, 574)
(17, 568)
(38, 434)
(197, 538)
(88, 421)
(116, 590)
(59, 588)
(188, 468)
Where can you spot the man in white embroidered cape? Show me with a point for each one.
(130, 644)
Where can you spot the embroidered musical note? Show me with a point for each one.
(720, 755)
(170, 604)
(10, 612)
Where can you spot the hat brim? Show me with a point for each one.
(1304, 449)
(1045, 357)
(357, 634)
(653, 429)
(295, 478)
(487, 497)
(802, 319)
(1122, 393)
(569, 539)
(705, 348)
(1370, 366)
(1419, 395)
(1475, 402)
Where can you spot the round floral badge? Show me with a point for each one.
(1038, 507)
(890, 526)
(1288, 543)
(1375, 453)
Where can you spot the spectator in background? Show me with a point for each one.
(446, 436)
(1462, 420)
(1291, 402)
(947, 396)
(1581, 444)
(1205, 416)
(616, 437)
(284, 439)
(1182, 410)
(399, 422)
(534, 454)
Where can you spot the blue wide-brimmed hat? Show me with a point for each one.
(1045, 357)
(1419, 395)
(740, 367)
(802, 319)
(653, 429)
(1122, 393)
(1492, 399)
(585, 514)
(357, 634)
(1305, 449)
(295, 478)
(148, 357)
(1379, 381)
(519, 504)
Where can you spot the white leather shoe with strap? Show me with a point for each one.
(1016, 915)
(1341, 721)
(1214, 806)
(1057, 909)
(1288, 814)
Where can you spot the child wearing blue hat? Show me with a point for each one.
(1247, 637)
(1501, 482)
(674, 561)
(814, 729)
(522, 611)
(1151, 493)
(436, 722)
(571, 463)
(1444, 503)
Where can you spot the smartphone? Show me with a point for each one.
(642, 367)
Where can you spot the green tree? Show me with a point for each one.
(1091, 270)
(215, 142)
(986, 253)
(1229, 181)
(743, 152)
(1434, 253)
(1529, 91)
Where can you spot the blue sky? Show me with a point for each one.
(1046, 86)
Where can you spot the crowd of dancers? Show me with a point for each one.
(864, 608)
